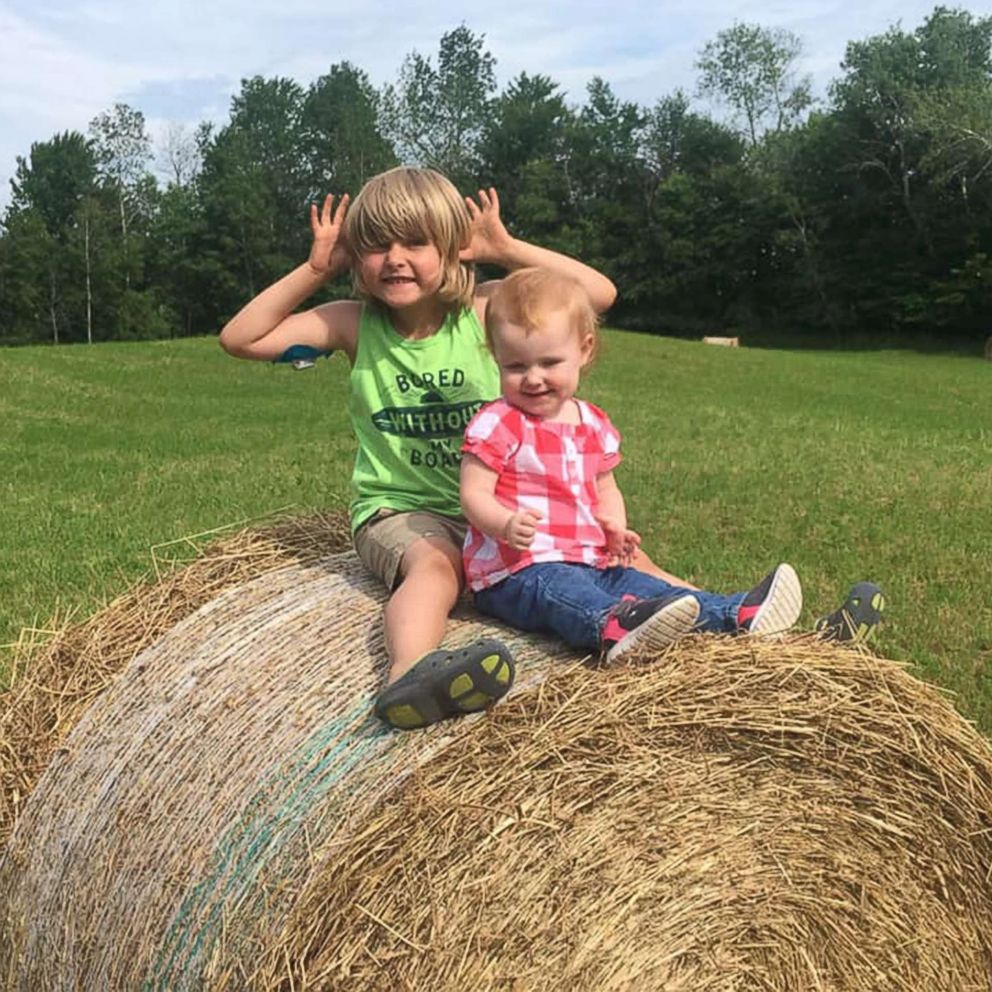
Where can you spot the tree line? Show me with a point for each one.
(867, 211)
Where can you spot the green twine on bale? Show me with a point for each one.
(254, 841)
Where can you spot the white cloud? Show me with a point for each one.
(41, 76)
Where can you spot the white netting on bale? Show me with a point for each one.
(737, 815)
(194, 789)
(57, 672)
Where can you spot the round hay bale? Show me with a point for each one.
(58, 672)
(737, 815)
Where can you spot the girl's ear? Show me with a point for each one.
(586, 349)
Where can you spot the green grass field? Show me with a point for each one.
(850, 465)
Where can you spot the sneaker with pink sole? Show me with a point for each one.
(773, 605)
(647, 624)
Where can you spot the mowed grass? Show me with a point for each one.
(850, 465)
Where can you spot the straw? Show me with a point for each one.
(219, 810)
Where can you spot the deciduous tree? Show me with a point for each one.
(342, 132)
(752, 70)
(435, 113)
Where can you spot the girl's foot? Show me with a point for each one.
(444, 684)
(773, 605)
(648, 623)
(856, 618)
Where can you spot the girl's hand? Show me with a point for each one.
(520, 529)
(488, 237)
(621, 542)
(329, 255)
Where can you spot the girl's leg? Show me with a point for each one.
(717, 613)
(561, 599)
(417, 612)
(573, 601)
(772, 605)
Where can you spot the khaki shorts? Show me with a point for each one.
(382, 540)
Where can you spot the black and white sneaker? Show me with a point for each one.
(650, 624)
(773, 605)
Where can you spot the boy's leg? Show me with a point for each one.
(418, 555)
(416, 614)
(418, 558)
(642, 563)
(856, 619)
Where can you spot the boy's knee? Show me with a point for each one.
(438, 559)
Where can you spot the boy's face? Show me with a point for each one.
(539, 370)
(401, 274)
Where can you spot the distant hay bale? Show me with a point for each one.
(737, 815)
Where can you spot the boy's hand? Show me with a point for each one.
(520, 529)
(488, 237)
(621, 542)
(328, 254)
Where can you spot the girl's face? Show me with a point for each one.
(539, 370)
(402, 274)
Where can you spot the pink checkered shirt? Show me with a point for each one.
(546, 467)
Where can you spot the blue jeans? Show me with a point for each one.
(571, 600)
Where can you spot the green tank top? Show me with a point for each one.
(410, 402)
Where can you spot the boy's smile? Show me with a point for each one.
(539, 370)
(400, 274)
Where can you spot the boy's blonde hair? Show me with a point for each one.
(416, 206)
(525, 298)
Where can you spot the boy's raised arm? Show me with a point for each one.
(266, 326)
(492, 243)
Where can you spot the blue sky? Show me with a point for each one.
(178, 61)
